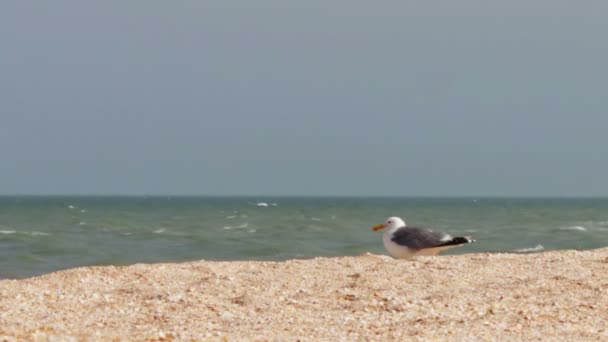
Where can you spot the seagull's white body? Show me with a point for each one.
(396, 251)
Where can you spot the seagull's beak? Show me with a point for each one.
(378, 227)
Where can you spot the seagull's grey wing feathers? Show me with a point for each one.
(419, 238)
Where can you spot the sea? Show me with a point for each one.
(42, 234)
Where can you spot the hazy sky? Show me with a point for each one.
(304, 97)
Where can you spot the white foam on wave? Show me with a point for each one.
(252, 230)
(262, 204)
(160, 231)
(230, 217)
(315, 219)
(577, 228)
(244, 225)
(71, 207)
(12, 231)
(536, 248)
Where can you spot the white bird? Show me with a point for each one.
(403, 242)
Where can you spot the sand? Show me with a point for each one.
(559, 295)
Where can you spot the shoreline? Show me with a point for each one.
(551, 295)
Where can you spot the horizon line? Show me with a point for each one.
(301, 196)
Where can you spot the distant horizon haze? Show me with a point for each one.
(262, 197)
(345, 98)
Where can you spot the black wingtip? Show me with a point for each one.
(460, 240)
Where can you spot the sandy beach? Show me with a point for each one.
(546, 296)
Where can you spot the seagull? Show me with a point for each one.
(403, 242)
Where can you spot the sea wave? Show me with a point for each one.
(578, 228)
(266, 204)
(536, 248)
(244, 225)
(12, 231)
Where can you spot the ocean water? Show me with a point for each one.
(44, 234)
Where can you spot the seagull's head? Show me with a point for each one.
(391, 223)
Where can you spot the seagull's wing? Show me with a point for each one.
(419, 238)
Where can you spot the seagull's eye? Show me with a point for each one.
(389, 222)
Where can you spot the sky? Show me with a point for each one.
(347, 98)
